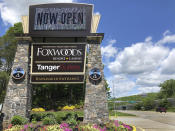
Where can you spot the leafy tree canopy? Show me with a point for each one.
(167, 88)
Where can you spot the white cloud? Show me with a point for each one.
(97, 13)
(113, 41)
(109, 50)
(148, 39)
(167, 39)
(120, 85)
(168, 65)
(148, 89)
(145, 65)
(12, 10)
(167, 32)
(138, 59)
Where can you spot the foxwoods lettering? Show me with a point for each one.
(60, 19)
(58, 58)
(59, 52)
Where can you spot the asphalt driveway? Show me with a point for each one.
(150, 120)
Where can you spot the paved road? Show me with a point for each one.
(151, 121)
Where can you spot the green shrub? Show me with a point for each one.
(148, 104)
(59, 108)
(78, 106)
(71, 119)
(37, 116)
(58, 119)
(49, 121)
(72, 122)
(34, 121)
(18, 120)
(138, 106)
(164, 103)
(71, 115)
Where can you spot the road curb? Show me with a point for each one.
(141, 128)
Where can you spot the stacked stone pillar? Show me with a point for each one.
(18, 94)
(96, 107)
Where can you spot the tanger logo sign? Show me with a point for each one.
(53, 59)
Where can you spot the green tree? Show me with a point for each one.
(8, 44)
(167, 88)
(148, 104)
(164, 103)
(3, 83)
(107, 89)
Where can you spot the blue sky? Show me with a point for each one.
(139, 45)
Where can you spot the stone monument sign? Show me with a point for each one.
(53, 50)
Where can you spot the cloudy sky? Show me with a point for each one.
(139, 45)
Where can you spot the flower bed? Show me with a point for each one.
(111, 126)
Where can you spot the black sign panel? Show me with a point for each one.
(58, 58)
(60, 19)
(57, 78)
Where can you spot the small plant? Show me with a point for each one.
(15, 128)
(38, 116)
(49, 121)
(53, 128)
(18, 120)
(38, 109)
(68, 108)
(34, 121)
(72, 122)
(58, 119)
(59, 108)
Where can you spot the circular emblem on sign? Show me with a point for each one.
(18, 73)
(95, 76)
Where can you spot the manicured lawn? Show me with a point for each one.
(112, 113)
(80, 113)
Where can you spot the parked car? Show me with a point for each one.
(161, 109)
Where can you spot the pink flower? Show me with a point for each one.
(95, 126)
(67, 129)
(10, 126)
(104, 129)
(26, 126)
(126, 126)
(116, 123)
(64, 125)
(31, 126)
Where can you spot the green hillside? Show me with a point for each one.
(137, 97)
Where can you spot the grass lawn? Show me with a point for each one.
(171, 109)
(112, 113)
(80, 113)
